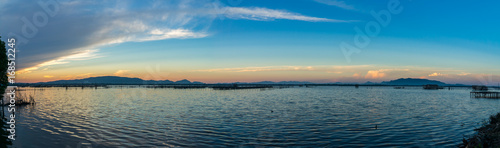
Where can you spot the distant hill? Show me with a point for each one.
(369, 83)
(413, 81)
(117, 81)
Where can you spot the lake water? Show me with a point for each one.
(329, 116)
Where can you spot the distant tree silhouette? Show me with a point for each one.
(3, 68)
(4, 141)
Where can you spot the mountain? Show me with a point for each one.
(369, 83)
(294, 82)
(183, 82)
(413, 81)
(117, 80)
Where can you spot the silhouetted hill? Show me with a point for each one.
(369, 83)
(183, 82)
(413, 81)
(117, 81)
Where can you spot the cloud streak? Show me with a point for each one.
(85, 55)
(328, 69)
(264, 14)
(337, 3)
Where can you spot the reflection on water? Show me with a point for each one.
(4, 134)
(314, 117)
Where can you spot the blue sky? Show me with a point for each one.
(241, 40)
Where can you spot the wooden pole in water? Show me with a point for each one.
(2, 109)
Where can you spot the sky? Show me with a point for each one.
(212, 41)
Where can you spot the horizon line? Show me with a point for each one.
(245, 82)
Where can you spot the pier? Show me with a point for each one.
(485, 94)
(235, 86)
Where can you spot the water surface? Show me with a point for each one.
(314, 117)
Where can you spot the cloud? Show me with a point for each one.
(79, 26)
(85, 55)
(124, 73)
(381, 73)
(337, 3)
(436, 74)
(373, 74)
(470, 78)
(83, 27)
(256, 69)
(264, 14)
(80, 76)
(356, 75)
(363, 73)
(48, 76)
(158, 34)
(321, 68)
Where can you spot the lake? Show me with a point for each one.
(323, 116)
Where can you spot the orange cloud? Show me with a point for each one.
(436, 74)
(374, 74)
(123, 73)
(356, 75)
(321, 68)
(80, 76)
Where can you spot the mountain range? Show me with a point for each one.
(137, 81)
(412, 81)
(118, 80)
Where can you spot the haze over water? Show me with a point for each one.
(314, 117)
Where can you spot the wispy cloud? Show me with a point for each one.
(337, 3)
(85, 55)
(264, 14)
(257, 69)
(328, 69)
(159, 34)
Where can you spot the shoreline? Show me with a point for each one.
(488, 135)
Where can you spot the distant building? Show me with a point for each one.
(432, 86)
(479, 88)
